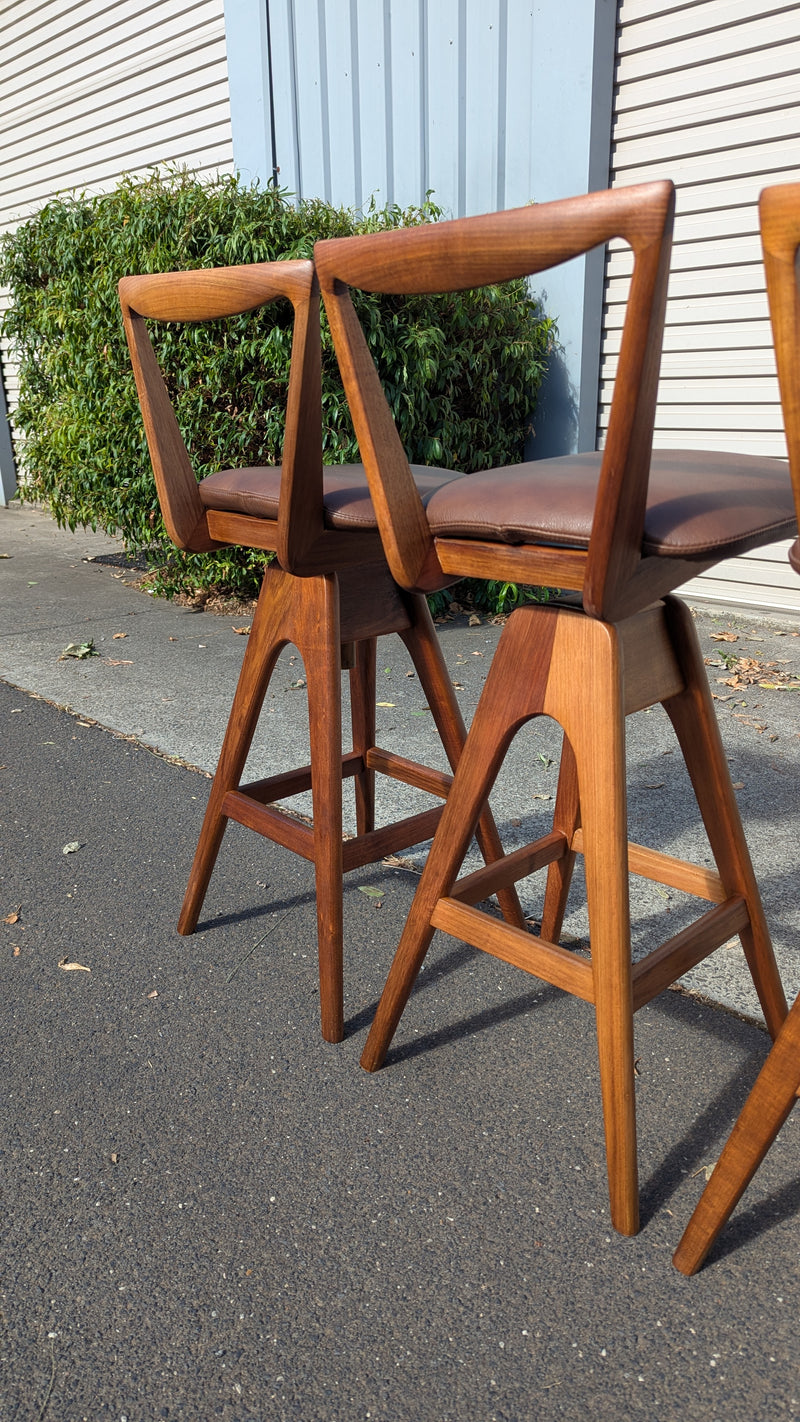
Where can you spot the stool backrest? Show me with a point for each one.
(779, 210)
(209, 295)
(478, 251)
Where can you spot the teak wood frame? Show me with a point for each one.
(588, 669)
(330, 594)
(775, 1091)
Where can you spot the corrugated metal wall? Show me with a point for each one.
(487, 103)
(374, 97)
(709, 95)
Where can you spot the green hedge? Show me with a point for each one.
(81, 445)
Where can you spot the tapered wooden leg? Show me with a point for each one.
(362, 717)
(267, 637)
(567, 818)
(317, 639)
(303, 611)
(695, 723)
(504, 705)
(426, 653)
(763, 1114)
(592, 714)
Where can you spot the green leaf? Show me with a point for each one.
(80, 650)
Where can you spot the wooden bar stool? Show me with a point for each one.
(329, 593)
(620, 529)
(773, 1096)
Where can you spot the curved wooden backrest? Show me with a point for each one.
(779, 211)
(475, 251)
(208, 295)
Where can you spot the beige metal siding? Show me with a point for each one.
(95, 89)
(98, 88)
(709, 95)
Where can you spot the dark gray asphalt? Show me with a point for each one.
(207, 1212)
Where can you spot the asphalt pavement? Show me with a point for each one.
(207, 1211)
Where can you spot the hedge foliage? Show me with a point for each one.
(81, 447)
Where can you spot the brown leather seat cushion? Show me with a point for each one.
(699, 504)
(345, 493)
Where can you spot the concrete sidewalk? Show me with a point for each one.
(209, 1212)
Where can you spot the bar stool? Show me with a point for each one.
(773, 1096)
(329, 593)
(620, 529)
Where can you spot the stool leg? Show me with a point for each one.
(317, 639)
(695, 723)
(267, 636)
(426, 653)
(513, 693)
(304, 611)
(362, 717)
(567, 818)
(591, 710)
(763, 1114)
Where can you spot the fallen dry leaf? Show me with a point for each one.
(474, 621)
(17, 949)
(114, 1158)
(749, 720)
(384, 703)
(13, 916)
(746, 671)
(724, 636)
(117, 662)
(705, 1170)
(243, 631)
(118, 636)
(71, 848)
(70, 967)
(154, 993)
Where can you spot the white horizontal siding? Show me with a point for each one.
(105, 87)
(100, 88)
(708, 94)
(767, 570)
